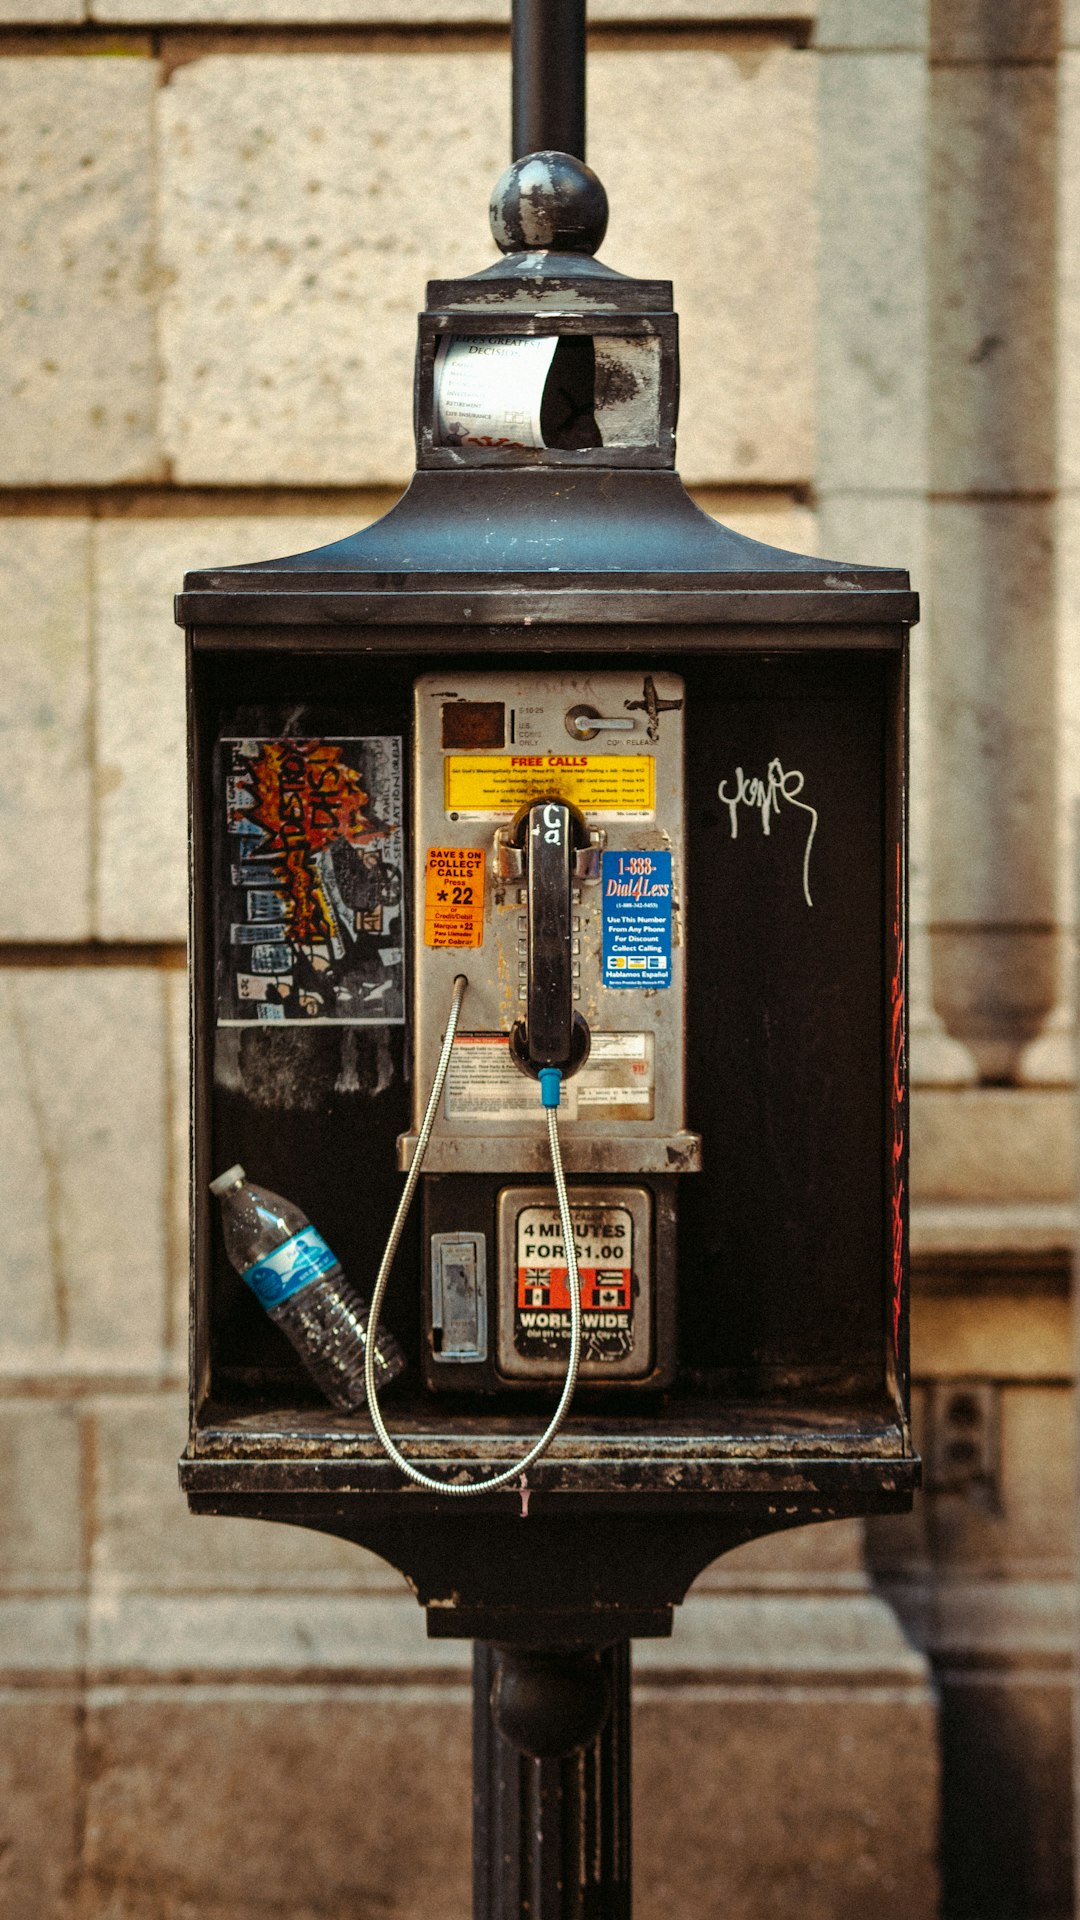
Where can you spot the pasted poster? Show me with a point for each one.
(310, 902)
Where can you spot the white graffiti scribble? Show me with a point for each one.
(766, 798)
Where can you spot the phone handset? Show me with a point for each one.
(550, 834)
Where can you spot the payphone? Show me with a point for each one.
(550, 870)
(548, 856)
(547, 788)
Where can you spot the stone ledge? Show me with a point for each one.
(774, 1639)
(41, 1635)
(1002, 1337)
(117, 1636)
(39, 1368)
(998, 1624)
(988, 1147)
(410, 14)
(1023, 1230)
(146, 1634)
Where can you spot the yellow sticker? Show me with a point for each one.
(622, 785)
(454, 897)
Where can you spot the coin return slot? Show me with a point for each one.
(458, 1297)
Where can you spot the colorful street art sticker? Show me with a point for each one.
(311, 894)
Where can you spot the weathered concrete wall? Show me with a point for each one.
(216, 219)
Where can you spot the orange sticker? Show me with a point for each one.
(454, 897)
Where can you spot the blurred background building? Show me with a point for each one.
(216, 221)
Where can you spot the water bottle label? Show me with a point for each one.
(291, 1266)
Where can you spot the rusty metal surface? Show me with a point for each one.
(548, 68)
(733, 619)
(551, 1783)
(563, 1574)
(537, 531)
(636, 364)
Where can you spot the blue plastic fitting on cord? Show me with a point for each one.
(550, 1085)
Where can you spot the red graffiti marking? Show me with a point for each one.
(306, 797)
(898, 1058)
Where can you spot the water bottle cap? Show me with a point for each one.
(232, 1177)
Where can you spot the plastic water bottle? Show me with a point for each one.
(292, 1272)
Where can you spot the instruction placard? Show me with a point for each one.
(636, 905)
(617, 786)
(484, 1085)
(454, 897)
(617, 1082)
(604, 1242)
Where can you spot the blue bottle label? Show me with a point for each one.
(291, 1266)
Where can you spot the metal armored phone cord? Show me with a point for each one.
(549, 1086)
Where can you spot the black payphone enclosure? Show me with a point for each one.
(783, 1304)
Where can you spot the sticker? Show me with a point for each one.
(274, 962)
(617, 1081)
(604, 1241)
(474, 723)
(291, 1266)
(454, 897)
(614, 1097)
(618, 786)
(636, 940)
(611, 1049)
(245, 936)
(310, 864)
(254, 986)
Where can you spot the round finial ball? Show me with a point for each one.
(549, 1704)
(551, 201)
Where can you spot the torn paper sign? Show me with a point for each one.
(488, 389)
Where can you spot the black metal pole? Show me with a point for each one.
(551, 1784)
(547, 40)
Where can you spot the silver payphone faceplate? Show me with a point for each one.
(612, 745)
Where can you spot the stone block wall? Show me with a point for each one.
(216, 221)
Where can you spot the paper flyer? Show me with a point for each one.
(488, 389)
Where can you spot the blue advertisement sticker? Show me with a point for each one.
(289, 1267)
(636, 891)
